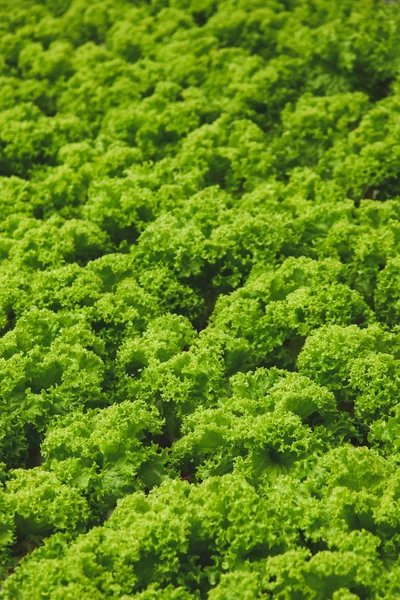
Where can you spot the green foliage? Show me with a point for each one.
(272, 422)
(199, 299)
(42, 505)
(104, 453)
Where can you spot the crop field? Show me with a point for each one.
(199, 299)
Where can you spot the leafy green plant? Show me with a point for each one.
(199, 299)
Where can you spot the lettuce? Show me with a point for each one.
(199, 299)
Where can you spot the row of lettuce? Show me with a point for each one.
(199, 299)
